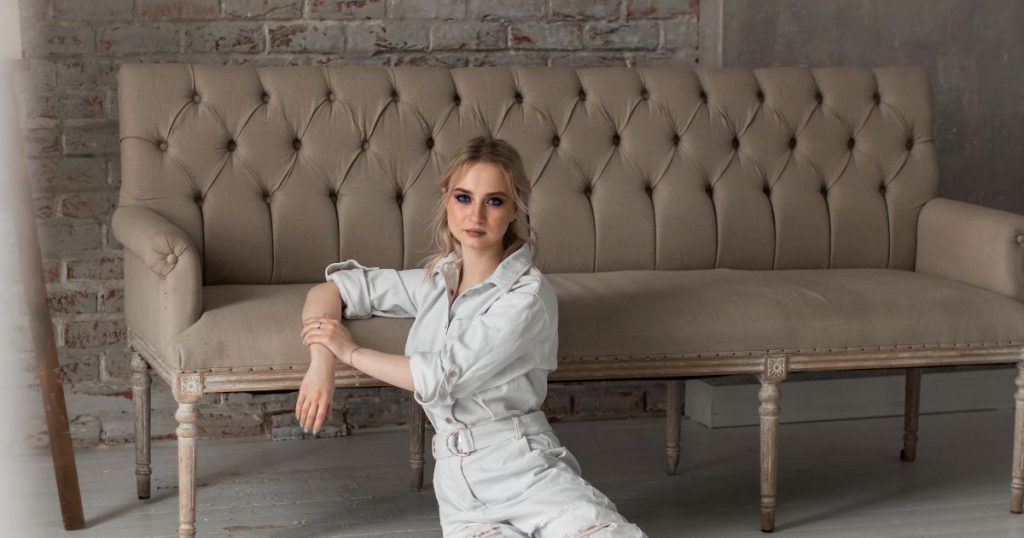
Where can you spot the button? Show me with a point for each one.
(643, 94)
(163, 146)
(909, 144)
(195, 98)
(172, 259)
(792, 143)
(824, 190)
(265, 97)
(448, 420)
(616, 139)
(519, 97)
(232, 145)
(675, 138)
(735, 143)
(876, 98)
(458, 100)
(708, 189)
(583, 95)
(430, 142)
(394, 94)
(1020, 239)
(767, 189)
(453, 373)
(297, 144)
(760, 96)
(850, 143)
(365, 145)
(587, 191)
(555, 141)
(331, 97)
(648, 189)
(334, 196)
(399, 198)
(703, 96)
(818, 97)
(266, 198)
(881, 188)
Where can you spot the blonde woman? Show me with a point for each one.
(477, 358)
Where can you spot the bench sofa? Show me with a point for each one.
(694, 222)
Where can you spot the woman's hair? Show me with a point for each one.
(501, 154)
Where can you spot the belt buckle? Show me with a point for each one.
(449, 443)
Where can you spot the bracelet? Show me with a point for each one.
(351, 363)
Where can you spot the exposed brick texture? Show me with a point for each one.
(68, 103)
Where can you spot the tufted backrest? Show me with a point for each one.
(275, 172)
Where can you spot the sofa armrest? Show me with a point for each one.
(972, 244)
(163, 275)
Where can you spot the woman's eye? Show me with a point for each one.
(496, 200)
(459, 198)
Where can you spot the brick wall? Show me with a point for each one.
(69, 113)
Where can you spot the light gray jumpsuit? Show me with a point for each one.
(483, 358)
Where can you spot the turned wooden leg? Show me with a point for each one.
(416, 425)
(141, 407)
(673, 417)
(186, 416)
(1017, 483)
(912, 408)
(769, 411)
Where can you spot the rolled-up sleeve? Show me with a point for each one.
(375, 291)
(491, 349)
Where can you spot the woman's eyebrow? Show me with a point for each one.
(488, 194)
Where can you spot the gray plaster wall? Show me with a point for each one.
(973, 50)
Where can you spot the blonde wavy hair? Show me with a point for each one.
(501, 154)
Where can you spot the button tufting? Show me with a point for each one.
(850, 143)
(333, 196)
(394, 94)
(297, 144)
(792, 142)
(1020, 239)
(767, 189)
(555, 141)
(616, 139)
(399, 198)
(265, 98)
(709, 189)
(587, 191)
(644, 94)
(172, 259)
(824, 190)
(198, 198)
(675, 138)
(703, 96)
(365, 145)
(583, 95)
(648, 189)
(162, 145)
(881, 188)
(519, 97)
(430, 142)
(760, 96)
(735, 143)
(818, 97)
(195, 98)
(331, 97)
(232, 145)
(266, 198)
(909, 144)
(876, 98)
(458, 100)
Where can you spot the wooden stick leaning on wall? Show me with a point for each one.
(31, 262)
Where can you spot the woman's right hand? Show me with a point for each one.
(316, 394)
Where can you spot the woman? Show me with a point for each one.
(477, 358)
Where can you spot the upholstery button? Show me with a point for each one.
(735, 143)
(162, 146)
(365, 145)
(394, 94)
(818, 97)
(709, 189)
(675, 138)
(767, 189)
(265, 98)
(198, 198)
(232, 145)
(587, 191)
(876, 98)
(703, 96)
(792, 142)
(458, 100)
(297, 144)
(648, 189)
(616, 139)
(195, 98)
(266, 198)
(172, 259)
(850, 143)
(1020, 239)
(881, 188)
(824, 190)
(430, 142)
(334, 196)
(760, 96)
(583, 95)
(519, 97)
(643, 94)
(331, 97)
(910, 143)
(555, 141)
(399, 198)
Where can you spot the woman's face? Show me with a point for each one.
(480, 200)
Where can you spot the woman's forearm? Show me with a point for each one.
(393, 369)
(322, 300)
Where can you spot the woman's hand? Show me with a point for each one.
(316, 394)
(330, 333)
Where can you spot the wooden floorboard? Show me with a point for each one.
(836, 479)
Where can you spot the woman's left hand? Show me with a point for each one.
(329, 333)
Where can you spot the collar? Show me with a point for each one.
(507, 272)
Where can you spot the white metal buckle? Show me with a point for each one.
(450, 443)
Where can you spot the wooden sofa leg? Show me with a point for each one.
(141, 384)
(1017, 483)
(769, 411)
(416, 426)
(912, 408)
(186, 416)
(673, 417)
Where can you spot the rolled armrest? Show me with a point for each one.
(163, 276)
(972, 244)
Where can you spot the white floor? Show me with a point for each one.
(841, 478)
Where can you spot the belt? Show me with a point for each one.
(464, 441)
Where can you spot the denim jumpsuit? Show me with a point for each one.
(480, 362)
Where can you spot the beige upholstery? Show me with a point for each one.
(660, 196)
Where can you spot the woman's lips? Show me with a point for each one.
(474, 233)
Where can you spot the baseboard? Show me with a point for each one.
(732, 401)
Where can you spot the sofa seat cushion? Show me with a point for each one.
(730, 311)
(651, 313)
(260, 326)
